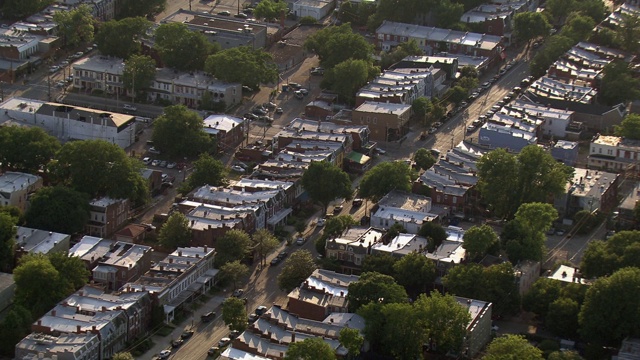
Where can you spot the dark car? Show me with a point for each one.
(253, 318)
(237, 293)
(295, 86)
(241, 16)
(187, 334)
(260, 310)
(259, 111)
(357, 202)
(250, 116)
(246, 89)
(213, 351)
(177, 343)
(208, 316)
(275, 261)
(283, 254)
(224, 13)
(234, 334)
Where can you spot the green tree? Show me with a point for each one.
(444, 319)
(424, 159)
(26, 149)
(421, 107)
(143, 8)
(176, 232)
(512, 347)
(605, 37)
(415, 272)
(534, 176)
(37, 284)
(338, 224)
(234, 271)
(234, 245)
(404, 11)
(325, 182)
(619, 85)
(270, 10)
(456, 94)
(296, 269)
(7, 241)
(630, 127)
(75, 26)
(234, 313)
(139, 73)
(207, 171)
(335, 44)
(99, 168)
(578, 27)
(180, 132)
(603, 323)
(559, 10)
(243, 65)
(351, 340)
(594, 9)
(532, 221)
(122, 38)
(384, 177)
(628, 32)
(604, 258)
(14, 9)
(448, 13)
(403, 335)
(374, 287)
(313, 348)
(562, 318)
(530, 25)
(122, 356)
(264, 242)
(554, 47)
(381, 263)
(58, 209)
(174, 40)
(541, 294)
(478, 240)
(400, 52)
(13, 328)
(434, 233)
(347, 77)
(75, 272)
(564, 355)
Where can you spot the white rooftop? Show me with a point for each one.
(384, 108)
(12, 181)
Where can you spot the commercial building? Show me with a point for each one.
(15, 188)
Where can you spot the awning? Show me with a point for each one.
(279, 216)
(358, 158)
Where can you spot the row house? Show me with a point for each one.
(91, 250)
(67, 122)
(192, 89)
(228, 131)
(210, 222)
(495, 19)
(103, 10)
(124, 262)
(566, 152)
(407, 209)
(506, 134)
(292, 190)
(35, 241)
(272, 334)
(434, 40)
(107, 215)
(359, 133)
(180, 277)
(350, 248)
(226, 31)
(115, 319)
(557, 89)
(386, 121)
(614, 153)
(556, 123)
(289, 135)
(324, 292)
(16, 187)
(402, 87)
(590, 190)
(59, 346)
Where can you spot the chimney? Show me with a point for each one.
(293, 337)
(78, 329)
(53, 312)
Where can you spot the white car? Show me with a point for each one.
(146, 160)
(153, 150)
(155, 163)
(171, 165)
(164, 354)
(237, 168)
(320, 222)
(129, 107)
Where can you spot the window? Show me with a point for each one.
(600, 150)
(375, 120)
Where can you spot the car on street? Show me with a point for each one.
(246, 89)
(259, 111)
(560, 232)
(147, 160)
(237, 292)
(301, 240)
(241, 16)
(224, 342)
(471, 128)
(266, 118)
(171, 165)
(253, 318)
(208, 316)
(295, 86)
(279, 110)
(486, 85)
(250, 116)
(320, 222)
(60, 84)
(260, 310)
(283, 254)
(155, 162)
(54, 68)
(517, 89)
(380, 151)
(177, 343)
(477, 123)
(356, 202)
(164, 354)
(224, 13)
(270, 105)
(337, 209)
(187, 334)
(463, 104)
(317, 72)
(238, 168)
(234, 334)
(304, 91)
(275, 261)
(129, 107)
(78, 54)
(163, 163)
(298, 94)
(213, 351)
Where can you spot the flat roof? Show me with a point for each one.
(38, 241)
(101, 64)
(12, 181)
(384, 108)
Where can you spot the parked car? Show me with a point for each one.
(357, 202)
(234, 334)
(477, 123)
(317, 72)
(380, 151)
(54, 68)
(275, 261)
(295, 86)
(147, 160)
(251, 116)
(337, 209)
(164, 354)
(213, 351)
(208, 316)
(270, 105)
(163, 163)
(129, 107)
(304, 91)
(155, 162)
(241, 16)
(224, 342)
(471, 128)
(279, 110)
(60, 84)
(320, 222)
(237, 292)
(177, 343)
(486, 85)
(246, 89)
(237, 168)
(259, 111)
(298, 94)
(171, 165)
(224, 13)
(301, 240)
(283, 254)
(260, 310)
(187, 334)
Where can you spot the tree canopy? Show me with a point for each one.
(234, 245)
(14, 9)
(13, 328)
(383, 178)
(335, 44)
(58, 209)
(603, 258)
(380, 262)
(234, 313)
(143, 8)
(175, 232)
(478, 240)
(313, 348)
(26, 149)
(530, 25)
(122, 38)
(270, 10)
(630, 127)
(512, 347)
(524, 237)
(264, 242)
(415, 272)
(534, 175)
(180, 132)
(139, 73)
(434, 233)
(554, 47)
(207, 171)
(445, 320)
(243, 65)
(578, 27)
(400, 52)
(234, 271)
(424, 159)
(603, 323)
(325, 182)
(99, 168)
(351, 340)
(296, 269)
(174, 40)
(7, 241)
(619, 85)
(75, 26)
(347, 77)
(375, 287)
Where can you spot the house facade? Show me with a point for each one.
(15, 188)
(386, 121)
(107, 215)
